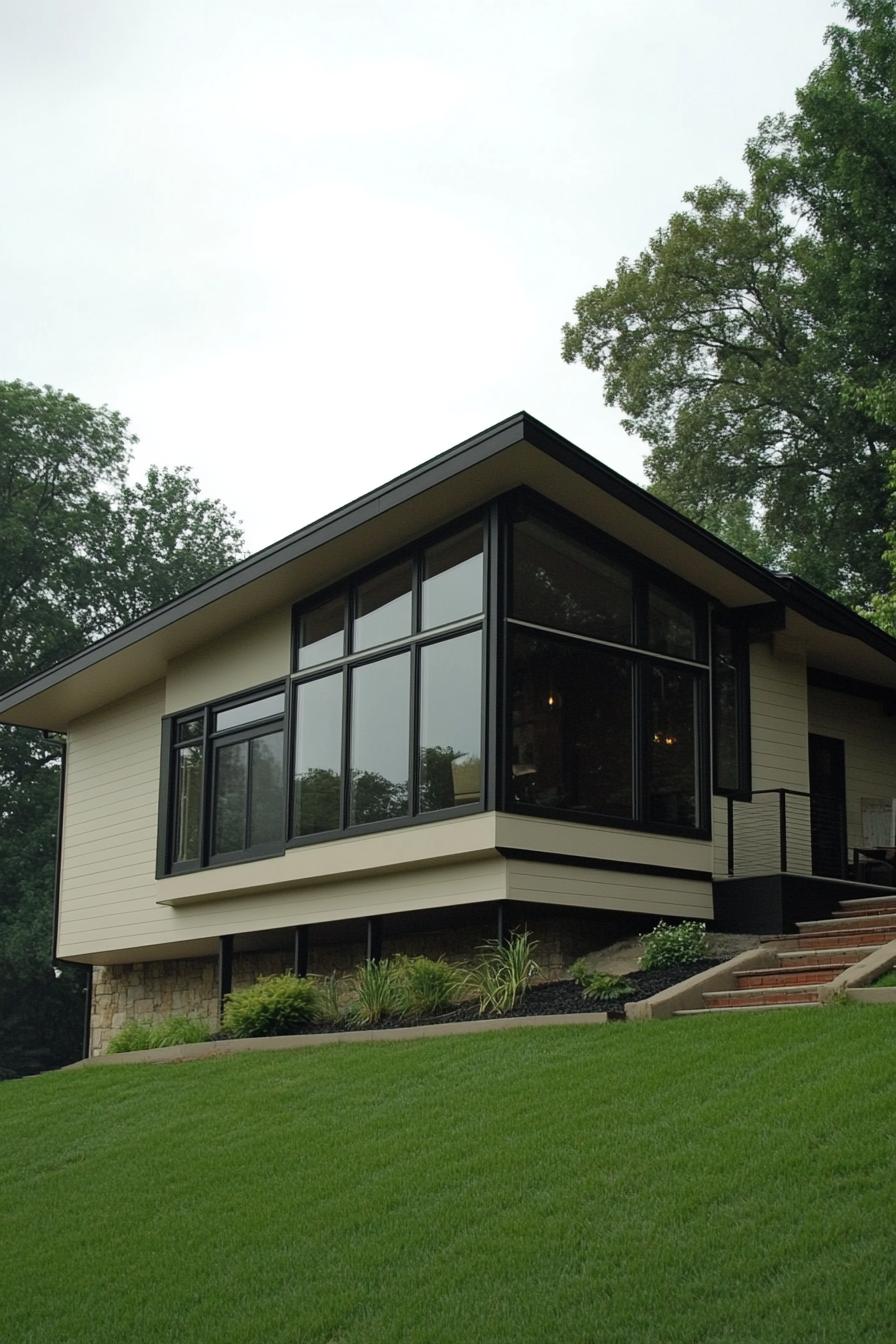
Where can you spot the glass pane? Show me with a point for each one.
(250, 712)
(671, 625)
(322, 633)
(451, 722)
(189, 728)
(452, 579)
(383, 608)
(318, 759)
(572, 726)
(231, 780)
(380, 710)
(725, 708)
(187, 802)
(559, 582)
(266, 806)
(672, 747)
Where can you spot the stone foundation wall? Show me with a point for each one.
(154, 990)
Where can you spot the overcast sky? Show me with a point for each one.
(305, 244)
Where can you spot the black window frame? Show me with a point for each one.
(525, 502)
(211, 740)
(414, 643)
(743, 792)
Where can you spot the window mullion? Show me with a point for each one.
(207, 804)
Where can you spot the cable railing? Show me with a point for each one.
(787, 831)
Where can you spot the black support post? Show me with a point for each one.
(374, 938)
(300, 951)
(782, 827)
(501, 923)
(88, 1008)
(225, 968)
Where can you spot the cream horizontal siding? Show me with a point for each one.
(601, 890)
(779, 734)
(245, 657)
(869, 736)
(573, 839)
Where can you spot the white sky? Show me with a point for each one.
(307, 244)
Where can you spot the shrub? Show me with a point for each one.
(600, 985)
(153, 1035)
(331, 1007)
(504, 973)
(426, 987)
(673, 945)
(377, 986)
(276, 1005)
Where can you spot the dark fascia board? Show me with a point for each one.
(522, 427)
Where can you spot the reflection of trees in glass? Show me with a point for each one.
(266, 821)
(448, 778)
(317, 801)
(558, 582)
(189, 793)
(231, 772)
(375, 798)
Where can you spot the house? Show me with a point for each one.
(507, 684)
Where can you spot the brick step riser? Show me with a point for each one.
(788, 977)
(766, 1000)
(806, 942)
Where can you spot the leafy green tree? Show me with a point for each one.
(751, 343)
(82, 550)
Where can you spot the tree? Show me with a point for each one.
(82, 551)
(751, 343)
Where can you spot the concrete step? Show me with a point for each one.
(811, 973)
(885, 908)
(741, 1008)
(844, 921)
(745, 998)
(886, 897)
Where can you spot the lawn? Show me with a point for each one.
(727, 1180)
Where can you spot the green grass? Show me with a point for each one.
(886, 980)
(727, 1181)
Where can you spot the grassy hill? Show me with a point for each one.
(727, 1180)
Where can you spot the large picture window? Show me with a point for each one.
(607, 684)
(387, 707)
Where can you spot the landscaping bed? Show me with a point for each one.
(554, 998)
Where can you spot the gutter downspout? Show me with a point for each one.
(56, 961)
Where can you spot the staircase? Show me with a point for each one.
(820, 951)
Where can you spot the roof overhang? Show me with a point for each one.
(518, 451)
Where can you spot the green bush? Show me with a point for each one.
(504, 973)
(673, 945)
(600, 985)
(153, 1035)
(426, 987)
(377, 989)
(276, 1005)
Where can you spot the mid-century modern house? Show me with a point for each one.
(507, 686)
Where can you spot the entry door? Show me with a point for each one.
(827, 785)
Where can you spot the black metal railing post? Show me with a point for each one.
(782, 827)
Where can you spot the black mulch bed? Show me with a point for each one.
(557, 998)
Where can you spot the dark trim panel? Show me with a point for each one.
(608, 865)
(865, 690)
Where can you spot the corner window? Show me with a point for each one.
(730, 707)
(607, 683)
(226, 779)
(391, 734)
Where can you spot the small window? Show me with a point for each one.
(188, 770)
(383, 608)
(322, 633)
(452, 579)
(671, 625)
(189, 729)
(248, 795)
(250, 712)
